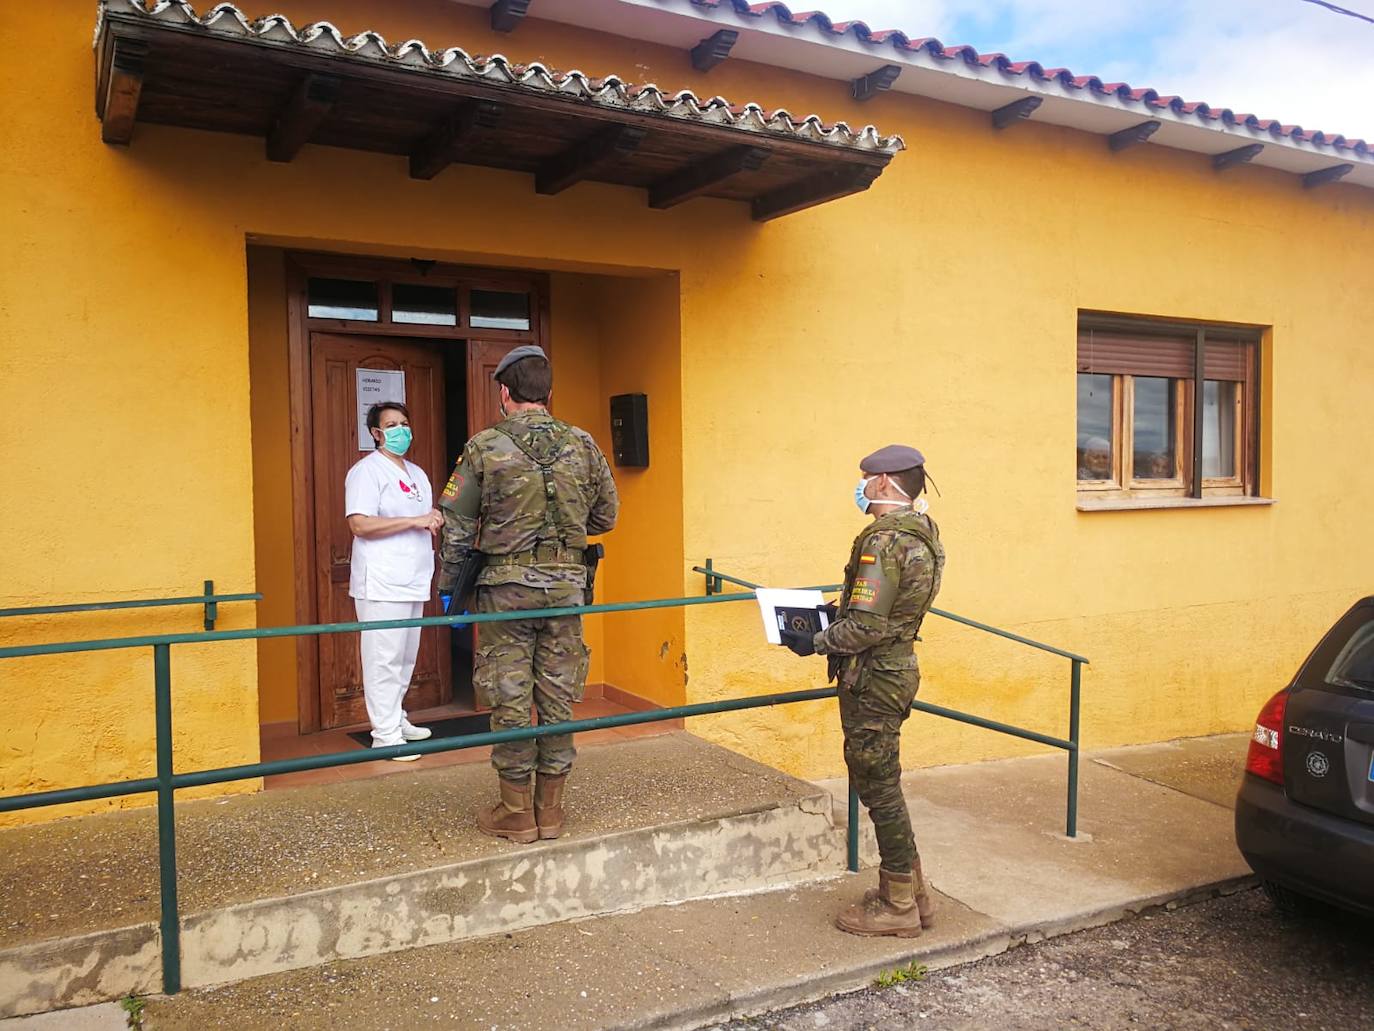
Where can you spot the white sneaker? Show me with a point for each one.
(398, 758)
(413, 733)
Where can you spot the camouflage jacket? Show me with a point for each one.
(526, 493)
(890, 583)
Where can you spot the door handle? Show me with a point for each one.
(340, 572)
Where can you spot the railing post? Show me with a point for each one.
(712, 584)
(166, 821)
(211, 607)
(1075, 685)
(852, 835)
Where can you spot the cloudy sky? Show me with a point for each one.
(1284, 59)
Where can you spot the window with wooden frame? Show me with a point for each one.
(1166, 409)
(435, 300)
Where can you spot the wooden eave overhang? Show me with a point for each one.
(160, 62)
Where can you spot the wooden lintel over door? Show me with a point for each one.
(334, 364)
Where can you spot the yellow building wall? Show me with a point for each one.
(938, 309)
(273, 542)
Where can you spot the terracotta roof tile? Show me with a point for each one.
(1028, 69)
(609, 90)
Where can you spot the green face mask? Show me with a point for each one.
(396, 439)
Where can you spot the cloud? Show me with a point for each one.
(1277, 59)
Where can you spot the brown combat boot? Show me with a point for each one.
(925, 901)
(891, 911)
(548, 804)
(512, 817)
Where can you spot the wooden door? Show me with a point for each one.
(484, 393)
(334, 362)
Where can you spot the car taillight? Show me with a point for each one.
(1265, 758)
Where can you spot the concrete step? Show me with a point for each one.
(291, 879)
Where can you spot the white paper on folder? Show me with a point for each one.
(771, 597)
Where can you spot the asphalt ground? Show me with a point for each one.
(1234, 962)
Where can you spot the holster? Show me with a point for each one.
(592, 555)
(466, 581)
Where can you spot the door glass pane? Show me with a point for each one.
(424, 305)
(1155, 415)
(1219, 428)
(500, 309)
(1094, 426)
(342, 299)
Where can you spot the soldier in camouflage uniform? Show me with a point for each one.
(890, 582)
(526, 494)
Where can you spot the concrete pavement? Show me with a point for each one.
(1156, 832)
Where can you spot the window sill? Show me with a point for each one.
(1138, 504)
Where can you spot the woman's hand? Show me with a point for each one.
(433, 522)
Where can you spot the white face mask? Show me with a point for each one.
(863, 501)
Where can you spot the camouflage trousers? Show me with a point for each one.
(872, 714)
(524, 662)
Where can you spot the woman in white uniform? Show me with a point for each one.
(390, 510)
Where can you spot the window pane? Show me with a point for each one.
(424, 305)
(1354, 666)
(1094, 426)
(1154, 451)
(500, 309)
(342, 299)
(1218, 428)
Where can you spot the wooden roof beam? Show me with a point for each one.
(826, 186)
(714, 49)
(119, 105)
(1239, 156)
(1326, 175)
(1135, 134)
(866, 87)
(700, 176)
(1014, 112)
(580, 160)
(443, 146)
(507, 14)
(313, 99)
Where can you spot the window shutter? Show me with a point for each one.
(1227, 359)
(1149, 354)
(1111, 351)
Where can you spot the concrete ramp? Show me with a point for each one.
(291, 879)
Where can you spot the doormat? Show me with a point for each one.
(458, 726)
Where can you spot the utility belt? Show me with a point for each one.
(540, 554)
(847, 669)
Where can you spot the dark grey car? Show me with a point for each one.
(1305, 813)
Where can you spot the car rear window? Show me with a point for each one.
(1354, 666)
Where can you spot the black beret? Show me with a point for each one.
(516, 354)
(895, 458)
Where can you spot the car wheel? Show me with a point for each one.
(1287, 901)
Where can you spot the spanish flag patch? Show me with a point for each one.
(867, 560)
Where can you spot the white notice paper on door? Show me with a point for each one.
(772, 598)
(375, 385)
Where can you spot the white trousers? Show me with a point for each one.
(388, 662)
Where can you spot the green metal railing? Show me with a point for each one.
(714, 585)
(167, 782)
(208, 598)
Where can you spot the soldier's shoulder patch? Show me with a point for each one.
(867, 559)
(454, 485)
(864, 592)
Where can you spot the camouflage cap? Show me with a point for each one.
(516, 354)
(895, 458)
